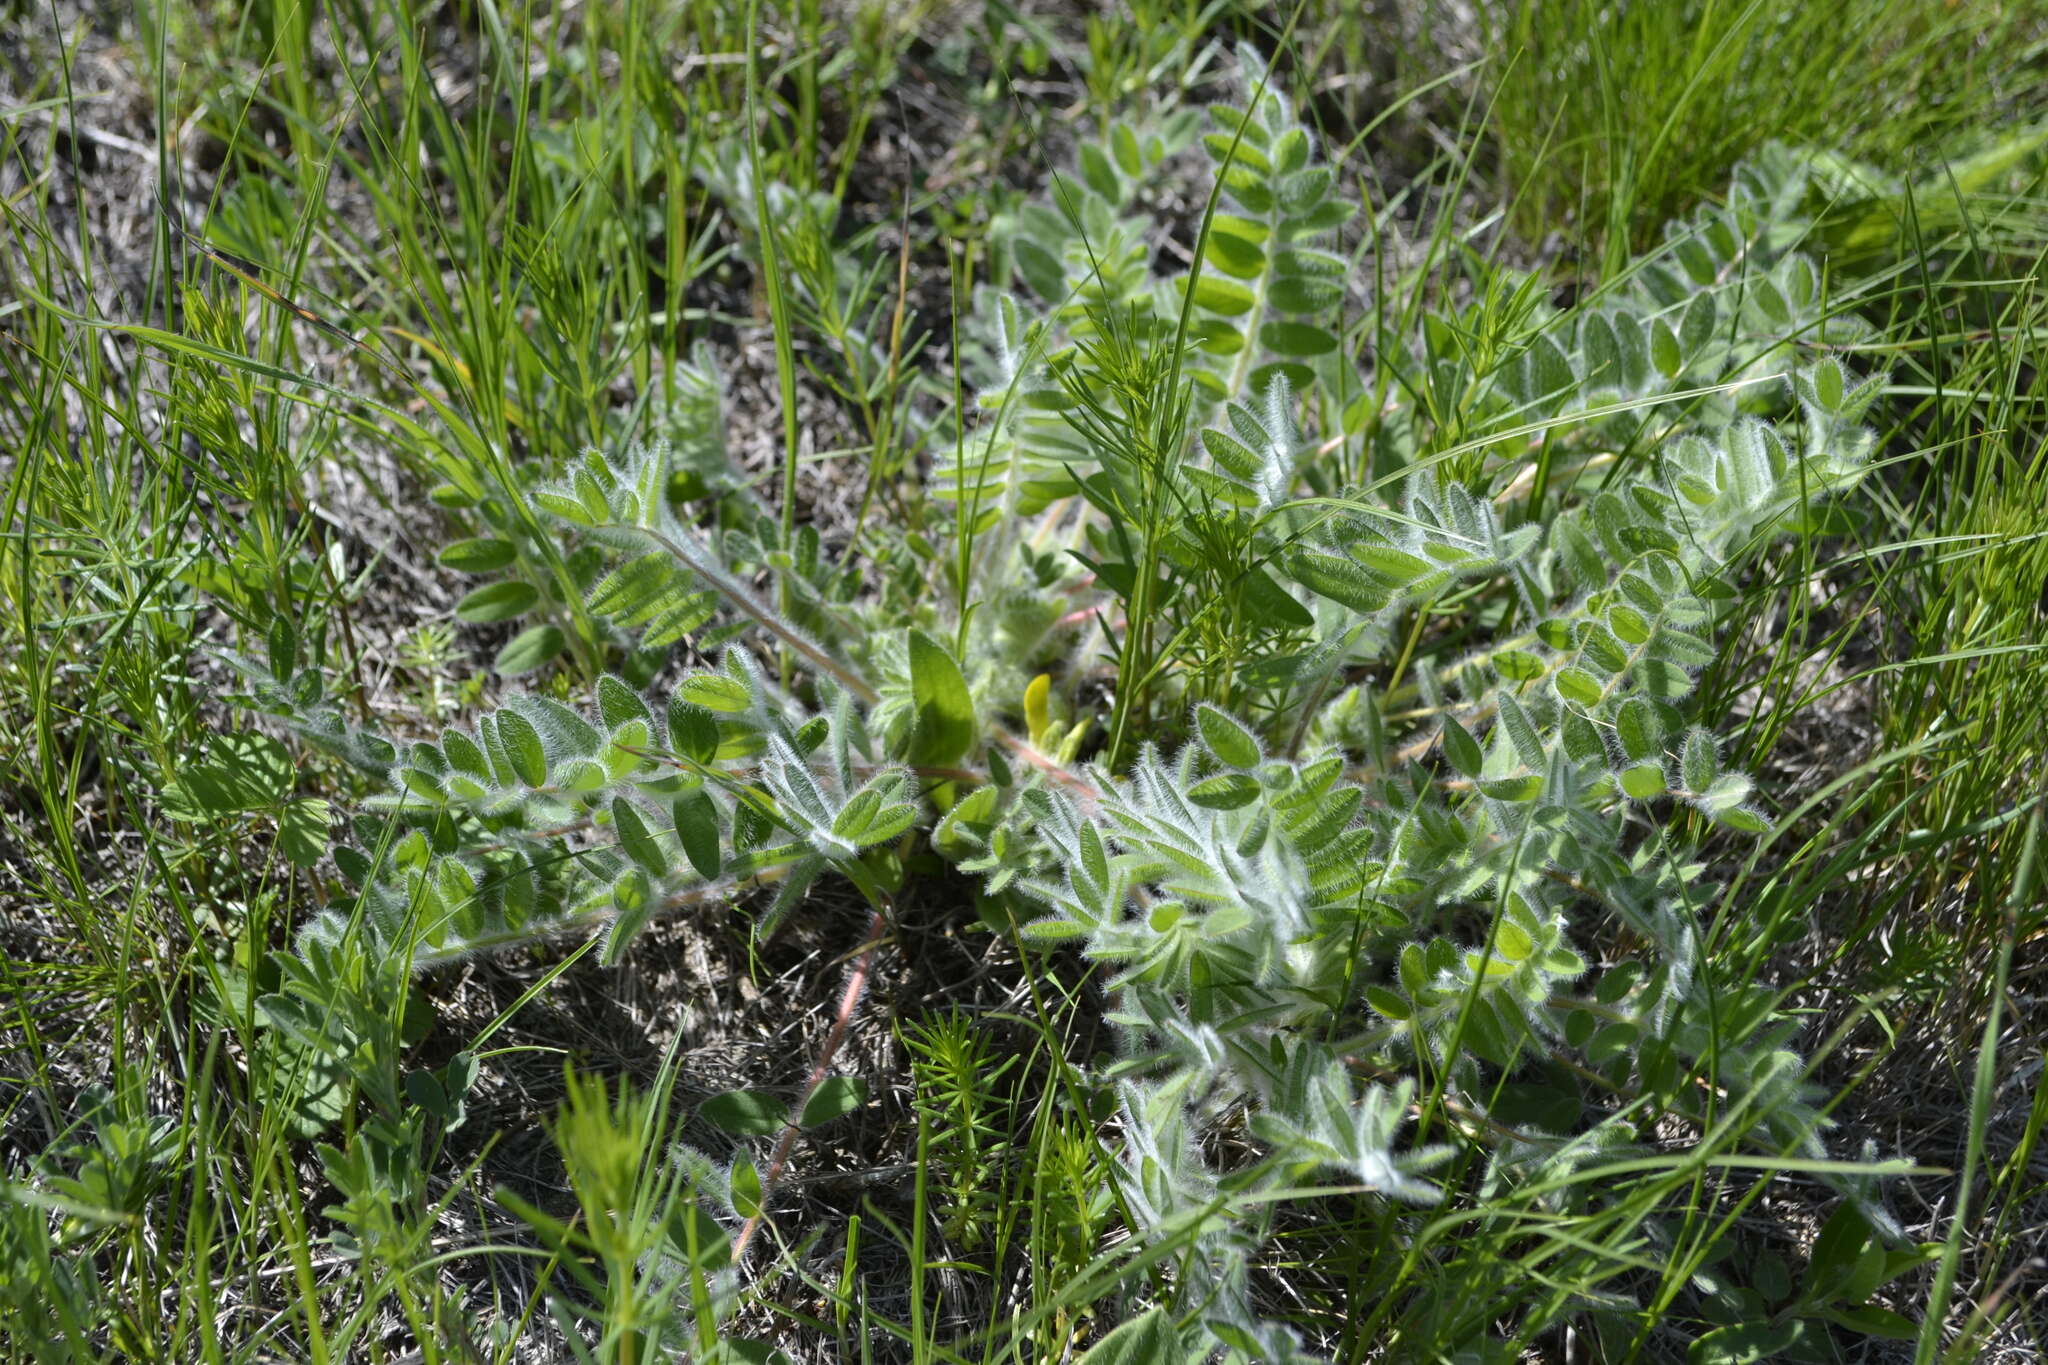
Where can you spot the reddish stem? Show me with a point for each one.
(856, 986)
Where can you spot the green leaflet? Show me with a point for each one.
(944, 727)
(696, 825)
(746, 1113)
(1227, 737)
(497, 602)
(485, 554)
(530, 649)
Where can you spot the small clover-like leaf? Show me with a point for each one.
(1643, 780)
(530, 649)
(966, 827)
(856, 815)
(618, 703)
(1521, 731)
(1699, 762)
(745, 1113)
(1461, 749)
(714, 692)
(1225, 791)
(1094, 857)
(634, 836)
(696, 822)
(633, 901)
(483, 554)
(1123, 145)
(1517, 665)
(1512, 941)
(1388, 1004)
(523, 748)
(581, 775)
(464, 755)
(692, 730)
(1396, 566)
(1575, 684)
(1513, 788)
(1234, 255)
(1097, 172)
(1744, 819)
(889, 823)
(1227, 737)
(1227, 297)
(1297, 339)
(1829, 387)
(835, 1097)
(497, 601)
(945, 725)
(1340, 580)
(1664, 350)
(744, 1183)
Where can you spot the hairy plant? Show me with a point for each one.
(1392, 851)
